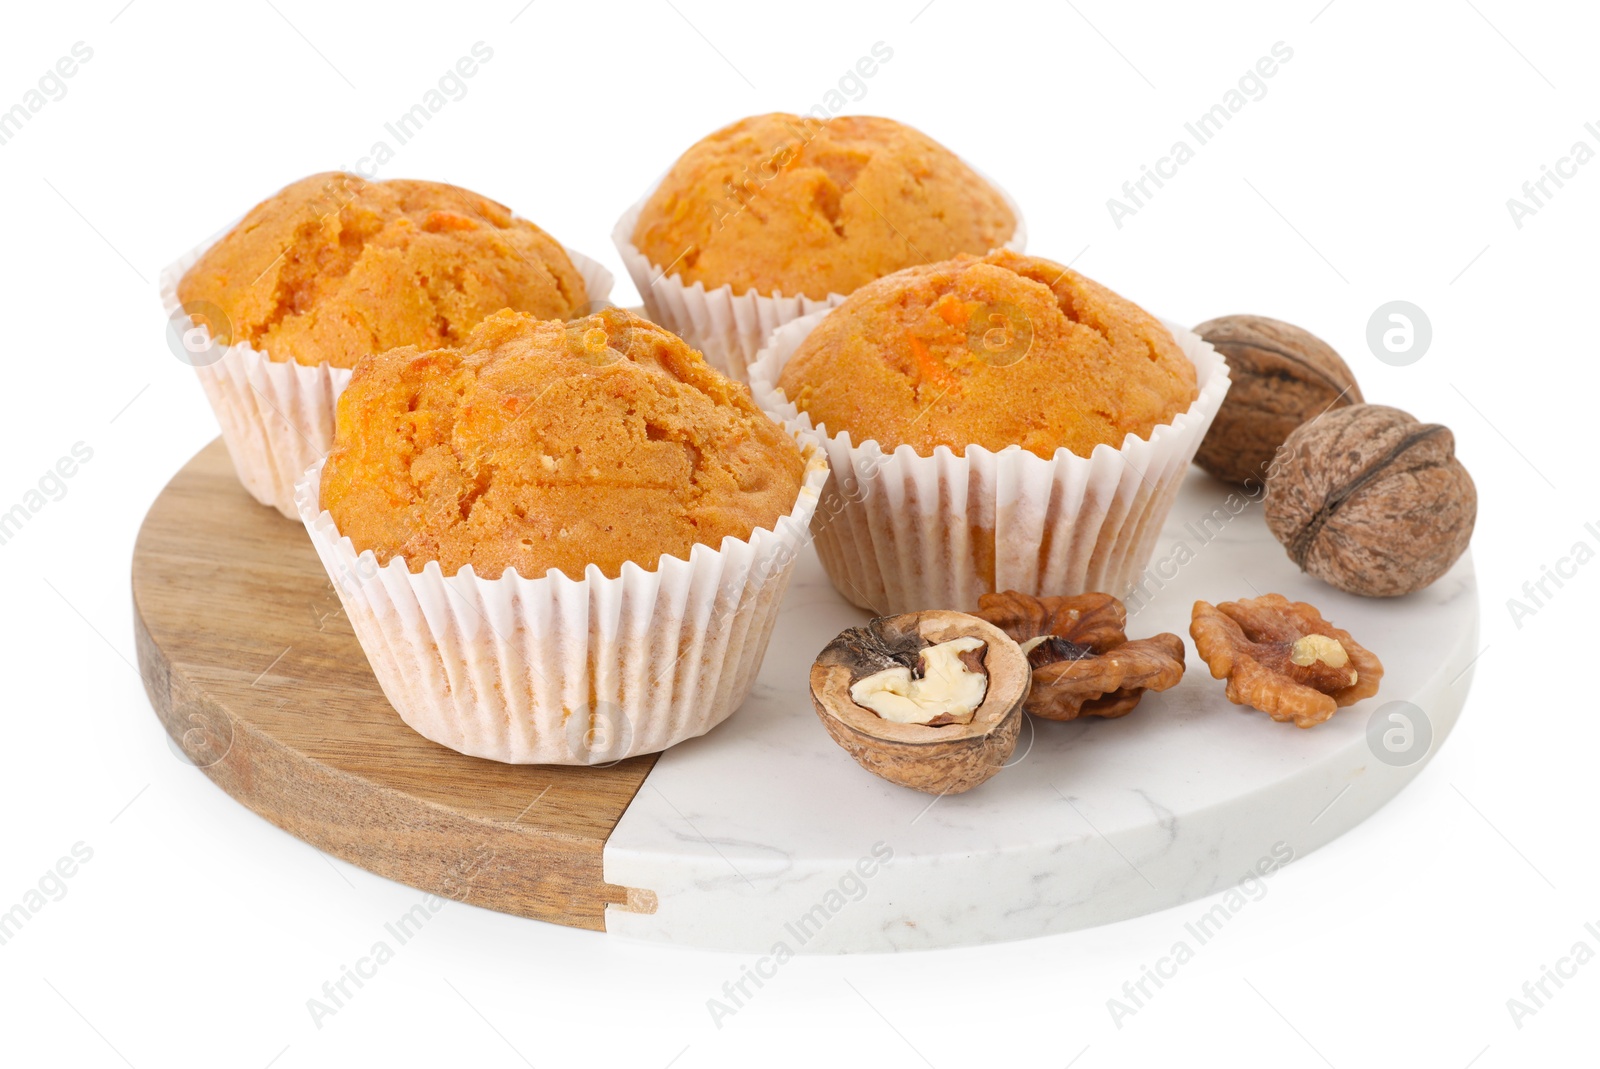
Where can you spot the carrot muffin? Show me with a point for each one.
(1068, 417)
(539, 445)
(334, 267)
(803, 206)
(1003, 350)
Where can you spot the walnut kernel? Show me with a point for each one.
(1282, 657)
(1083, 663)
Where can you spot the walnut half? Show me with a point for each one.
(1083, 663)
(929, 700)
(1282, 657)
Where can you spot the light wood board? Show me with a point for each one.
(255, 673)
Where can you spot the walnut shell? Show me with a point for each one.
(946, 759)
(1371, 501)
(1282, 376)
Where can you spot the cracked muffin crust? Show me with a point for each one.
(802, 206)
(334, 267)
(541, 444)
(1003, 350)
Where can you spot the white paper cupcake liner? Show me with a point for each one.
(277, 416)
(899, 532)
(554, 670)
(730, 328)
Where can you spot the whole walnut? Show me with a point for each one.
(1282, 376)
(1367, 499)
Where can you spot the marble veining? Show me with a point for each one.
(764, 832)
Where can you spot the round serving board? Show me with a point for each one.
(764, 832)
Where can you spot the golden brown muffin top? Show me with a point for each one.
(334, 267)
(1003, 350)
(797, 205)
(542, 444)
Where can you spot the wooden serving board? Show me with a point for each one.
(255, 673)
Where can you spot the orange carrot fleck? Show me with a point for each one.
(932, 370)
(953, 311)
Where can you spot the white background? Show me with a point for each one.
(1376, 168)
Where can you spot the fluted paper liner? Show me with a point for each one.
(555, 670)
(277, 416)
(900, 532)
(730, 328)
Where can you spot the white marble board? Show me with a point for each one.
(764, 832)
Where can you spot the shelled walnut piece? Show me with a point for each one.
(1083, 663)
(1282, 657)
(929, 700)
(945, 685)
